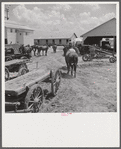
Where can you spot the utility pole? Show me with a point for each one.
(7, 11)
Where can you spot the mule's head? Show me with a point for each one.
(65, 49)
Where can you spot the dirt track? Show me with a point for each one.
(93, 90)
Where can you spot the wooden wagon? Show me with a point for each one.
(25, 93)
(17, 65)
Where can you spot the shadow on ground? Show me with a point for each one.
(94, 64)
(66, 76)
(63, 68)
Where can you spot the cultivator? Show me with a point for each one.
(99, 53)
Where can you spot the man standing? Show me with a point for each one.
(70, 48)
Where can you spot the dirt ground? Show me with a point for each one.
(93, 89)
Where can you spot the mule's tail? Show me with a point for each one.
(75, 59)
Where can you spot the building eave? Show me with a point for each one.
(97, 27)
(14, 25)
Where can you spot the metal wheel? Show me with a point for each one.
(112, 59)
(90, 57)
(7, 74)
(85, 57)
(55, 82)
(22, 71)
(34, 98)
(23, 65)
(9, 58)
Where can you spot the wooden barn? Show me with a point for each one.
(59, 40)
(18, 34)
(106, 30)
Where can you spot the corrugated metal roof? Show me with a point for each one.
(12, 24)
(106, 29)
(58, 35)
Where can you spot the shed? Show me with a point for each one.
(105, 30)
(56, 38)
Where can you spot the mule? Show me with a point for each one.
(64, 50)
(34, 49)
(54, 48)
(71, 59)
(44, 49)
(25, 49)
(39, 50)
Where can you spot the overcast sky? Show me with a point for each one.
(62, 18)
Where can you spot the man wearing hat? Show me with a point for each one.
(72, 49)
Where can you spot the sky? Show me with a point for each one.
(61, 18)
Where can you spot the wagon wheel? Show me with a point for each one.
(55, 82)
(22, 71)
(112, 59)
(34, 98)
(7, 74)
(23, 65)
(90, 57)
(9, 58)
(85, 57)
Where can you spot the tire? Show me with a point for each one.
(85, 57)
(9, 58)
(22, 71)
(112, 59)
(34, 98)
(7, 74)
(55, 82)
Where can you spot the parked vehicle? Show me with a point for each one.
(10, 53)
(16, 65)
(99, 53)
(27, 93)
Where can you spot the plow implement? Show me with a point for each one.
(99, 53)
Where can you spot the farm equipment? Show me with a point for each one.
(16, 65)
(10, 53)
(99, 53)
(26, 93)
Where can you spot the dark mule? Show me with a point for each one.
(71, 59)
(34, 49)
(44, 49)
(54, 48)
(64, 50)
(25, 49)
(39, 48)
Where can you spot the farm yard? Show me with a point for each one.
(60, 59)
(45, 91)
(93, 89)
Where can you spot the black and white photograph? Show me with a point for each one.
(60, 59)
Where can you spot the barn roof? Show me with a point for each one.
(106, 29)
(58, 35)
(15, 25)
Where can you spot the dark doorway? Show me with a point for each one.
(6, 41)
